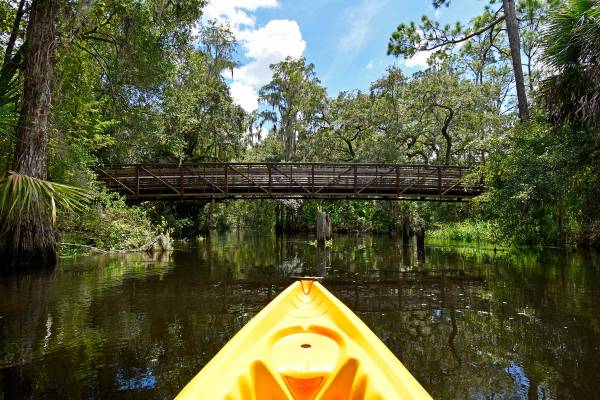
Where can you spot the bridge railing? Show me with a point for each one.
(280, 180)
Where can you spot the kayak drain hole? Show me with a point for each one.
(305, 346)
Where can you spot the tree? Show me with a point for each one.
(200, 111)
(32, 239)
(572, 40)
(113, 70)
(434, 117)
(346, 127)
(514, 41)
(430, 36)
(452, 116)
(533, 18)
(219, 44)
(296, 99)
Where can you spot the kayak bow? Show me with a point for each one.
(304, 345)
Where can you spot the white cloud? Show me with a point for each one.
(279, 36)
(375, 64)
(245, 95)
(419, 59)
(263, 46)
(268, 45)
(236, 12)
(361, 18)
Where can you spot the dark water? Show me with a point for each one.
(468, 323)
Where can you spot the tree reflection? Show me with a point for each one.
(468, 323)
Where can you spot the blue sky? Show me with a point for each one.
(345, 39)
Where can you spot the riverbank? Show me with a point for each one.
(110, 225)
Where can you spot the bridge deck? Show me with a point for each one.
(290, 180)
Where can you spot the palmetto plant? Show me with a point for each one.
(24, 199)
(572, 40)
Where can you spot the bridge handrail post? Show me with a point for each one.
(376, 176)
(226, 180)
(137, 180)
(439, 168)
(269, 166)
(355, 180)
(181, 179)
(312, 181)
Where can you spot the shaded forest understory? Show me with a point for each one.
(513, 93)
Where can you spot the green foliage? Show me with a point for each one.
(109, 223)
(9, 96)
(251, 214)
(542, 185)
(449, 118)
(24, 198)
(467, 231)
(572, 42)
(270, 149)
(345, 130)
(9, 93)
(296, 99)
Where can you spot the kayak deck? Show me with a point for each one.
(304, 345)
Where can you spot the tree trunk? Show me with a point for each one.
(207, 225)
(512, 27)
(33, 241)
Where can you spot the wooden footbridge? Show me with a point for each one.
(291, 180)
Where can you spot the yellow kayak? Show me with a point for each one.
(304, 345)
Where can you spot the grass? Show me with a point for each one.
(467, 231)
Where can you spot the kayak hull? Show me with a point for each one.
(304, 345)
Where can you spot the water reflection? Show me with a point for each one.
(468, 323)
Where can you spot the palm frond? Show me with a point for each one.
(25, 198)
(572, 38)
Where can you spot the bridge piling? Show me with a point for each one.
(323, 227)
(407, 232)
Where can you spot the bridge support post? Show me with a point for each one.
(407, 232)
(323, 227)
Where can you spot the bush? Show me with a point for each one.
(108, 223)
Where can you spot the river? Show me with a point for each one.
(469, 323)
